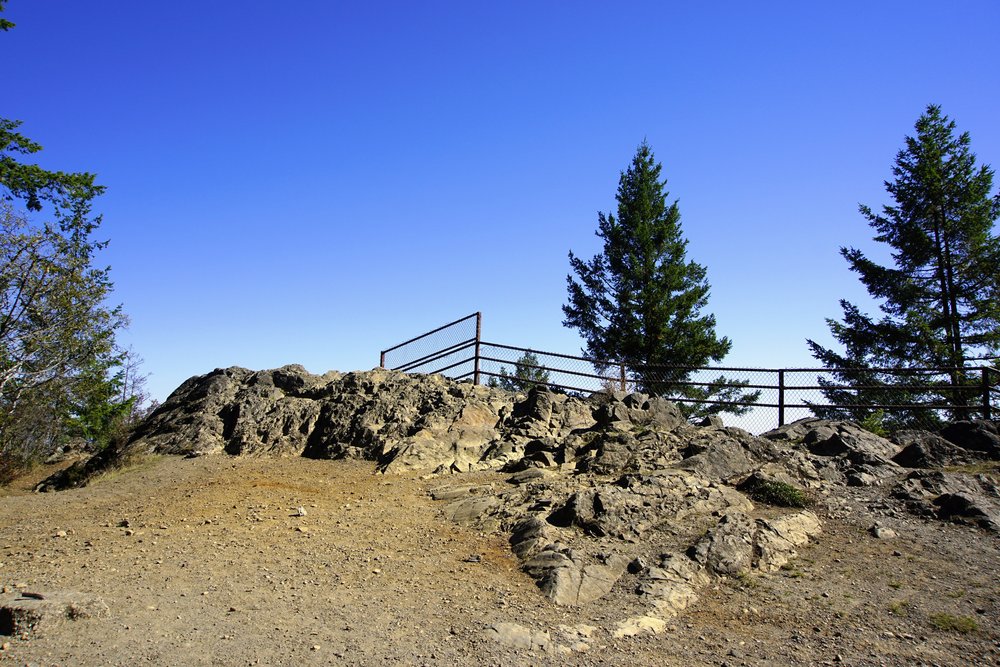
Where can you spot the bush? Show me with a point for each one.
(875, 423)
(771, 492)
(12, 467)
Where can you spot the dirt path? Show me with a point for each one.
(208, 562)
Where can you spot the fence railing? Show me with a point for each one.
(443, 350)
(912, 396)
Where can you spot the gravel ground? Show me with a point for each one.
(222, 561)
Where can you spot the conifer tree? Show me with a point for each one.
(640, 300)
(940, 298)
(527, 373)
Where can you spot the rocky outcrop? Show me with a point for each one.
(635, 504)
(971, 499)
(615, 491)
(923, 449)
(841, 452)
(977, 435)
(404, 422)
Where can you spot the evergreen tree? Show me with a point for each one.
(940, 298)
(527, 373)
(640, 300)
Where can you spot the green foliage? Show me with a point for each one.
(527, 373)
(875, 423)
(4, 23)
(779, 494)
(941, 297)
(951, 623)
(61, 375)
(901, 608)
(640, 300)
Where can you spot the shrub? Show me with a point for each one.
(771, 492)
(875, 423)
(952, 623)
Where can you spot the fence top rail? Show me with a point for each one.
(434, 356)
(434, 331)
(900, 371)
(600, 362)
(548, 354)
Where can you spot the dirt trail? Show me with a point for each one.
(209, 561)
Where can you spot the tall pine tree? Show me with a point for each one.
(639, 301)
(941, 298)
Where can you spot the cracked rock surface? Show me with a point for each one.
(576, 526)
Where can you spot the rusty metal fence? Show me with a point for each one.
(766, 397)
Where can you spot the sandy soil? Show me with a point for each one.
(207, 562)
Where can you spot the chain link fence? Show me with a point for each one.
(755, 399)
(451, 350)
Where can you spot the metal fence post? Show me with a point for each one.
(479, 338)
(381, 360)
(986, 393)
(781, 397)
(623, 375)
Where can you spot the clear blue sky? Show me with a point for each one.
(310, 182)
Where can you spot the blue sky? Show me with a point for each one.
(311, 182)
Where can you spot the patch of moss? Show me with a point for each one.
(984, 468)
(776, 493)
(951, 623)
(901, 608)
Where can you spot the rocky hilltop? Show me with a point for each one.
(598, 492)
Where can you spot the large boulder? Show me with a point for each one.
(923, 449)
(956, 497)
(724, 453)
(569, 578)
(978, 435)
(840, 452)
(833, 438)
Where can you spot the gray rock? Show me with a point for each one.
(532, 535)
(568, 579)
(32, 613)
(832, 438)
(714, 421)
(923, 449)
(921, 486)
(882, 532)
(777, 539)
(404, 422)
(518, 636)
(636, 503)
(470, 510)
(673, 586)
(526, 475)
(724, 453)
(973, 509)
(977, 435)
(728, 548)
